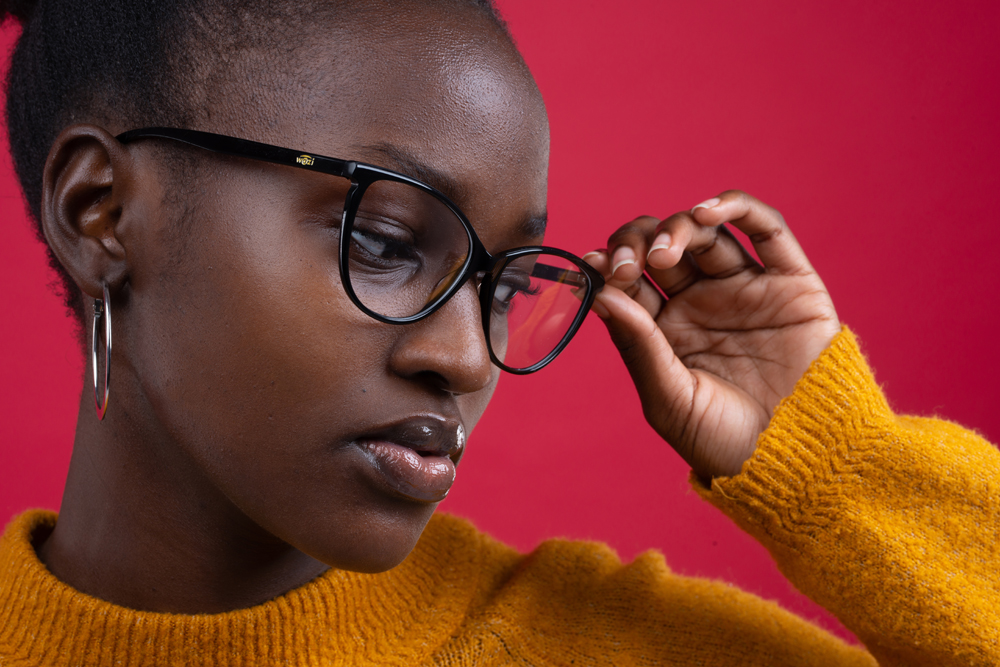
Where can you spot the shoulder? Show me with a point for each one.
(579, 597)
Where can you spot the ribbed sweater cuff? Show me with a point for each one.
(792, 486)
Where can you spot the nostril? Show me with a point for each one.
(440, 382)
(447, 350)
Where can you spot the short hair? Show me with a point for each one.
(91, 60)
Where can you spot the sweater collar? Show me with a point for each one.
(338, 617)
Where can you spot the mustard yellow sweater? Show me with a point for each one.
(889, 522)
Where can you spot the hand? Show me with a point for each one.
(713, 359)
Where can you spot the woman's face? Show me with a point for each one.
(327, 429)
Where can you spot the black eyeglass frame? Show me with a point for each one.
(361, 176)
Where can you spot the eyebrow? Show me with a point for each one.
(408, 164)
(533, 226)
(405, 162)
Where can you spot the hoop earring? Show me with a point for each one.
(102, 311)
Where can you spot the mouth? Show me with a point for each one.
(415, 458)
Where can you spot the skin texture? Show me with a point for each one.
(713, 360)
(225, 471)
(224, 474)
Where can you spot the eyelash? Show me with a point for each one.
(501, 307)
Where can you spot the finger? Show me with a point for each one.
(600, 260)
(664, 384)
(771, 238)
(677, 278)
(668, 263)
(641, 290)
(716, 251)
(627, 249)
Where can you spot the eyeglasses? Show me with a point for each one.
(405, 249)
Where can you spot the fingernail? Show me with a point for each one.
(658, 261)
(623, 257)
(708, 203)
(592, 253)
(624, 262)
(661, 242)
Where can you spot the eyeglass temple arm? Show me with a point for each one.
(555, 274)
(220, 143)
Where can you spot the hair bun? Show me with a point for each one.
(21, 10)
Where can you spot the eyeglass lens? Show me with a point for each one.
(536, 300)
(408, 247)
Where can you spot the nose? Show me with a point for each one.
(448, 348)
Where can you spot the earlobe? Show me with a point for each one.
(88, 175)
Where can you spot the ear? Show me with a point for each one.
(88, 176)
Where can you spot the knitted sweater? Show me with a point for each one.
(890, 522)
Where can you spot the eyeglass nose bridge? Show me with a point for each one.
(478, 262)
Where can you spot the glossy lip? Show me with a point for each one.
(415, 458)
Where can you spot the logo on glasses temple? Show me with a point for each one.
(306, 160)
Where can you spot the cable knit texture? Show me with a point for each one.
(890, 522)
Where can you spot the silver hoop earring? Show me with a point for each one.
(102, 311)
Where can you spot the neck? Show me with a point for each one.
(140, 526)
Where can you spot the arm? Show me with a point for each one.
(887, 521)
(712, 364)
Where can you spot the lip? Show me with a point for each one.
(415, 458)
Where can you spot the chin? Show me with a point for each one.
(376, 541)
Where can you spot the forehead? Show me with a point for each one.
(448, 90)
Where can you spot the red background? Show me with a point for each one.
(873, 126)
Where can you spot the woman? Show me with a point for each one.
(294, 379)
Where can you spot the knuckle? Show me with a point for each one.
(768, 212)
(707, 239)
(630, 231)
(645, 220)
(681, 217)
(677, 222)
(767, 235)
(747, 203)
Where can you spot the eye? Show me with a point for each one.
(382, 246)
(511, 284)
(380, 243)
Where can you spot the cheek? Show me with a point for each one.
(250, 359)
(250, 343)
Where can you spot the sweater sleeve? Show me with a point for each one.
(890, 522)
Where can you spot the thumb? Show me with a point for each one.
(665, 385)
